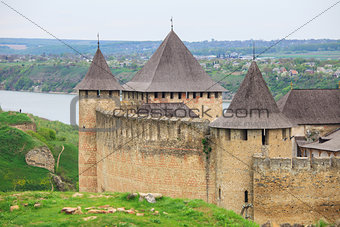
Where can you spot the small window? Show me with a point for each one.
(219, 193)
(171, 95)
(188, 95)
(98, 93)
(86, 94)
(128, 95)
(201, 94)
(179, 95)
(194, 95)
(156, 95)
(163, 95)
(216, 95)
(246, 196)
(264, 137)
(208, 95)
(110, 93)
(142, 96)
(284, 136)
(244, 134)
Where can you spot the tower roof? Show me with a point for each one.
(99, 76)
(253, 106)
(172, 68)
(311, 106)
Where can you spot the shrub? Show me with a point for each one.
(47, 133)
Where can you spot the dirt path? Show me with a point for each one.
(59, 157)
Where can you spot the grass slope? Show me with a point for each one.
(15, 174)
(179, 212)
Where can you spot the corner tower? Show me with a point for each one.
(99, 88)
(253, 124)
(173, 75)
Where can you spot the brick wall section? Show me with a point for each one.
(26, 126)
(151, 155)
(234, 173)
(201, 103)
(298, 190)
(87, 136)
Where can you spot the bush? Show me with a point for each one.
(47, 133)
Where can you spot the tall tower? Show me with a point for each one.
(99, 88)
(253, 124)
(173, 75)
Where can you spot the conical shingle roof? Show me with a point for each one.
(99, 76)
(172, 68)
(253, 97)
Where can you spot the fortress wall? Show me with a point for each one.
(154, 155)
(234, 154)
(298, 190)
(212, 107)
(87, 135)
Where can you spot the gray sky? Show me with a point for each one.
(194, 20)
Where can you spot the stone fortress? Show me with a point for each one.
(249, 159)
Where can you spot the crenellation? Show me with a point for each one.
(263, 164)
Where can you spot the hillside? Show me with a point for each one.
(167, 211)
(53, 75)
(15, 174)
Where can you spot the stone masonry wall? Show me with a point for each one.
(233, 169)
(26, 126)
(87, 135)
(154, 155)
(298, 190)
(212, 107)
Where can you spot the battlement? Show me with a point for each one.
(149, 128)
(296, 164)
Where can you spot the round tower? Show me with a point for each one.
(98, 89)
(173, 75)
(252, 125)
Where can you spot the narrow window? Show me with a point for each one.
(110, 93)
(244, 134)
(179, 95)
(284, 136)
(86, 94)
(163, 95)
(147, 97)
(142, 96)
(133, 95)
(216, 95)
(208, 95)
(171, 95)
(98, 93)
(219, 193)
(128, 95)
(264, 137)
(246, 196)
(194, 95)
(201, 94)
(156, 95)
(188, 95)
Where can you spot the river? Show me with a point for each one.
(54, 107)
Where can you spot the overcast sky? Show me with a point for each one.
(194, 20)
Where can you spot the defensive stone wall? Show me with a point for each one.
(298, 190)
(163, 155)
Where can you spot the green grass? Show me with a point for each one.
(15, 174)
(13, 118)
(181, 212)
